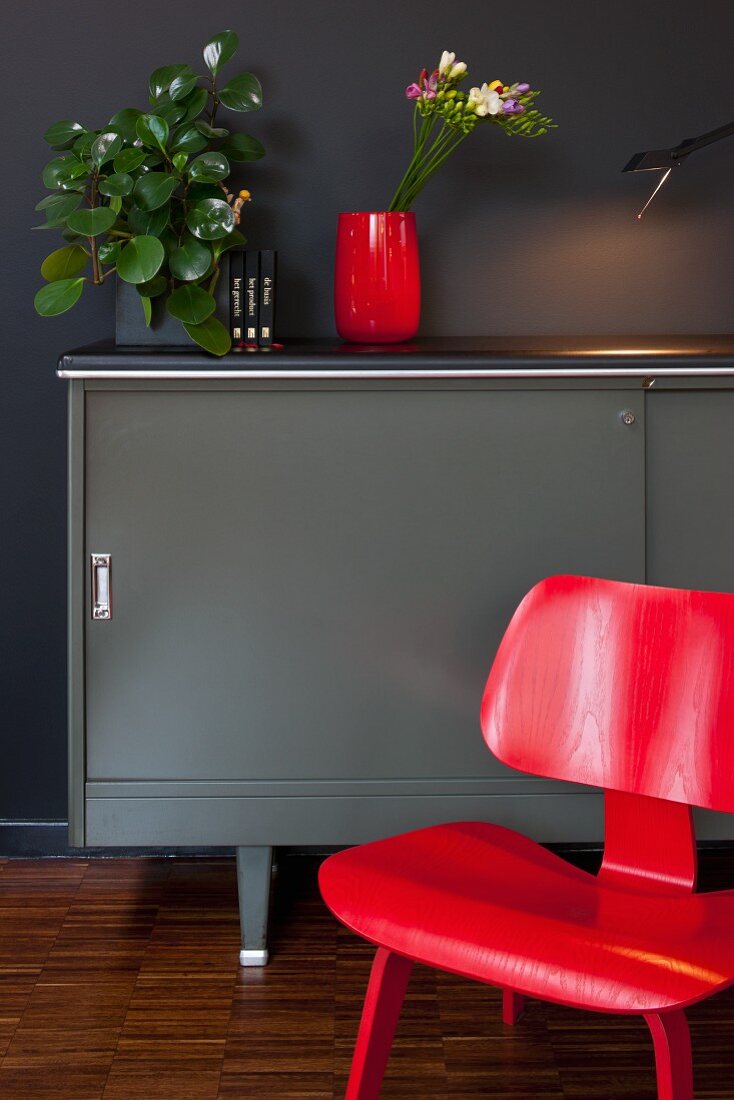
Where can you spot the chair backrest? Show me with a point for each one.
(621, 686)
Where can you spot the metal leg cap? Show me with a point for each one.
(254, 958)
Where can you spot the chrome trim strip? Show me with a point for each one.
(360, 375)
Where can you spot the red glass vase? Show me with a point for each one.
(377, 287)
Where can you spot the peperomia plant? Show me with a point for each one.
(145, 196)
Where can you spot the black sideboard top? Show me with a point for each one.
(552, 356)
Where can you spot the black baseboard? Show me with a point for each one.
(50, 840)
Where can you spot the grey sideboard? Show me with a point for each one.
(289, 572)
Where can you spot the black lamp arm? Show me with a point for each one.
(669, 158)
(690, 145)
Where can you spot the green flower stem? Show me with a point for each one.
(420, 142)
(431, 169)
(424, 161)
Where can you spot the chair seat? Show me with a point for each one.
(488, 903)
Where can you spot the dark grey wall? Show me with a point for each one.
(516, 236)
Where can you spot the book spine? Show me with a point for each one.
(268, 264)
(236, 297)
(252, 296)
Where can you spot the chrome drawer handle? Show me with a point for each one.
(101, 586)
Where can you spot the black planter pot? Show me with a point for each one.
(164, 330)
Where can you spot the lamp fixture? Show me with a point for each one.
(668, 159)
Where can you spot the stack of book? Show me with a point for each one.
(252, 297)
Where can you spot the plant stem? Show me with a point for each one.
(215, 101)
(93, 240)
(425, 161)
(419, 144)
(431, 169)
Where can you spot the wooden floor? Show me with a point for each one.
(119, 979)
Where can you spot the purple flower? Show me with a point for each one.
(413, 91)
(522, 88)
(512, 107)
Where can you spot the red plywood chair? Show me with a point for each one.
(625, 687)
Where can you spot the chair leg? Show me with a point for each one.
(513, 1006)
(672, 1042)
(380, 1012)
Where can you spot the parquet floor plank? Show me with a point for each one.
(119, 980)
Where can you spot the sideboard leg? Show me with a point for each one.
(254, 867)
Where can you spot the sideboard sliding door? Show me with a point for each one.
(308, 588)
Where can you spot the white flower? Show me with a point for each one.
(447, 60)
(486, 100)
(457, 70)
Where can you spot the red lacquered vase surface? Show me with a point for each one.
(377, 291)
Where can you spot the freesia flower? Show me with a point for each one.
(426, 87)
(486, 100)
(441, 102)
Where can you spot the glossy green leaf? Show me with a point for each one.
(128, 159)
(64, 172)
(105, 147)
(210, 219)
(58, 207)
(153, 131)
(82, 146)
(190, 260)
(115, 203)
(153, 288)
(90, 223)
(71, 237)
(149, 223)
(121, 183)
(154, 189)
(147, 310)
(169, 239)
(172, 112)
(140, 259)
(55, 298)
(199, 191)
(242, 147)
(63, 134)
(187, 139)
(211, 335)
(209, 167)
(109, 251)
(152, 160)
(179, 161)
(182, 85)
(64, 263)
(219, 50)
(191, 304)
(124, 122)
(160, 80)
(234, 240)
(195, 104)
(242, 93)
(210, 131)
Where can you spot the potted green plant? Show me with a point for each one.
(146, 197)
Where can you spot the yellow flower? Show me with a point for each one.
(245, 196)
(495, 85)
